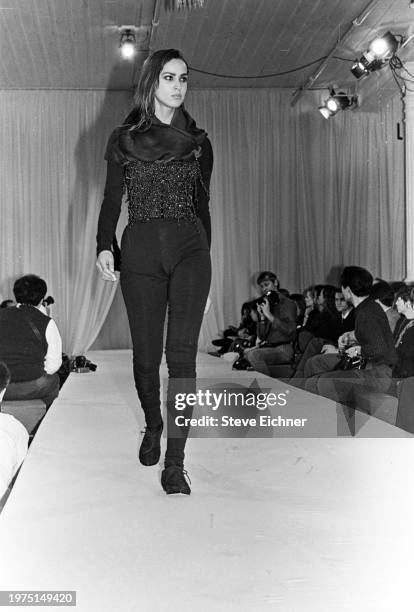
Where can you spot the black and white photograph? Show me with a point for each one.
(207, 305)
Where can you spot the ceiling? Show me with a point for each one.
(73, 44)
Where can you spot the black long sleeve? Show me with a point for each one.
(111, 206)
(206, 166)
(373, 333)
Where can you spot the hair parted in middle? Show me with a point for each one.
(144, 96)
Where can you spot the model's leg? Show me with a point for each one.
(145, 300)
(189, 264)
(144, 286)
(188, 291)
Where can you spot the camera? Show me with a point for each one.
(48, 301)
(346, 362)
(81, 365)
(271, 296)
(240, 344)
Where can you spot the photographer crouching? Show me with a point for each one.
(275, 317)
(30, 343)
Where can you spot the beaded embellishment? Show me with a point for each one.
(165, 190)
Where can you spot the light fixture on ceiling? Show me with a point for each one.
(337, 102)
(380, 51)
(128, 43)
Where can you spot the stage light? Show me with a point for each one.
(380, 50)
(325, 112)
(127, 43)
(335, 103)
(383, 48)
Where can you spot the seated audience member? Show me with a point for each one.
(383, 294)
(30, 344)
(247, 328)
(309, 295)
(245, 331)
(276, 326)
(403, 372)
(323, 322)
(299, 299)
(326, 322)
(372, 340)
(322, 355)
(14, 439)
(404, 334)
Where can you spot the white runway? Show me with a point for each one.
(281, 524)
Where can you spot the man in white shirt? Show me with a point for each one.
(30, 344)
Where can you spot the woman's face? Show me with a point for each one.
(172, 84)
(309, 301)
(320, 300)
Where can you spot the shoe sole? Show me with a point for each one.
(178, 492)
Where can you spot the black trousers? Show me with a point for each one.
(165, 263)
(45, 388)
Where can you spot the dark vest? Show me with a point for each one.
(20, 348)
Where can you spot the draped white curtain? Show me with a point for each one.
(52, 176)
(290, 192)
(297, 194)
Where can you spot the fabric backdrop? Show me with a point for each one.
(52, 173)
(291, 192)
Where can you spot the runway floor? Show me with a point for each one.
(290, 524)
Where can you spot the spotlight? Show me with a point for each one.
(335, 103)
(366, 64)
(379, 52)
(127, 43)
(383, 48)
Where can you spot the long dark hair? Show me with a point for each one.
(329, 296)
(144, 108)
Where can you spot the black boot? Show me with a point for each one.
(173, 480)
(150, 449)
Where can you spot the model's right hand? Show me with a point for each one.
(105, 265)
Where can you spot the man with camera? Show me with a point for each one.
(30, 344)
(276, 326)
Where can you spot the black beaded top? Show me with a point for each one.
(164, 190)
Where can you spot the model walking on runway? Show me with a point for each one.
(164, 162)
